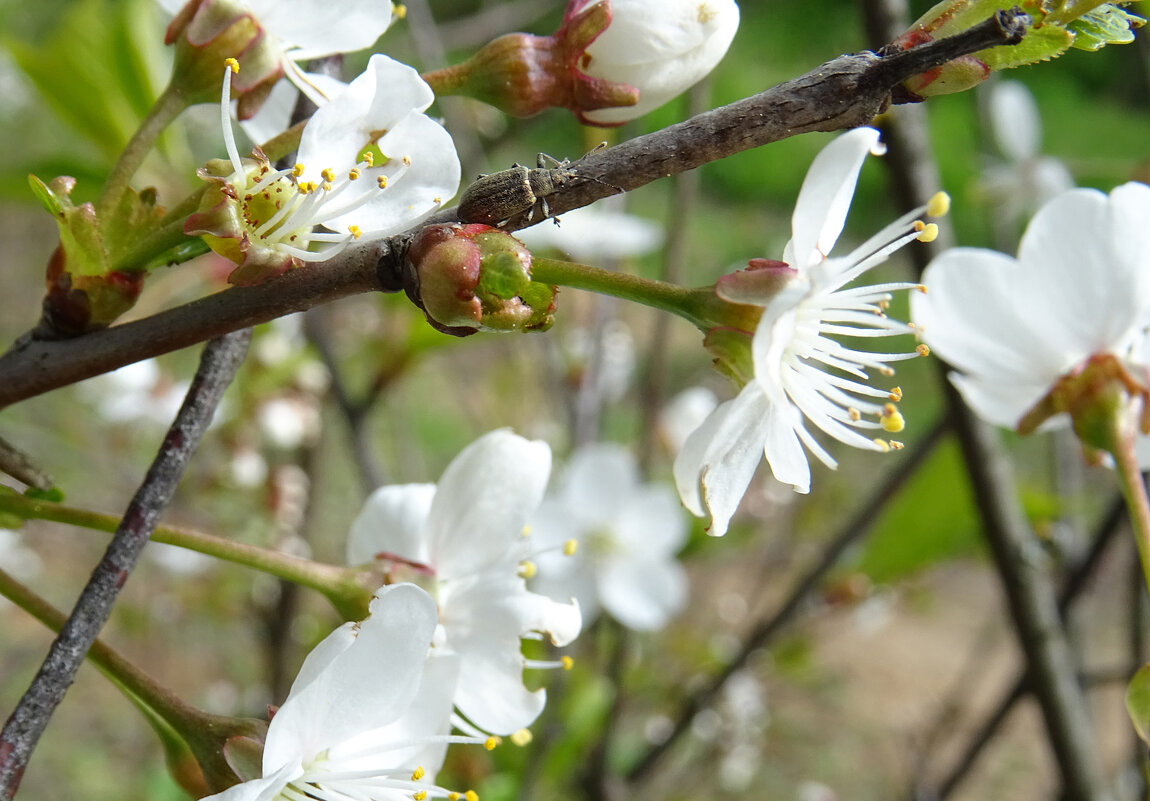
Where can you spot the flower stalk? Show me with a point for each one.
(348, 589)
(189, 735)
(699, 306)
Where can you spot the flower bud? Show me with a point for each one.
(610, 61)
(469, 278)
(205, 33)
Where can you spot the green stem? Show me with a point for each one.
(349, 589)
(166, 108)
(199, 734)
(1134, 491)
(701, 307)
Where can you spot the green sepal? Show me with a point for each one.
(502, 275)
(731, 348)
(52, 494)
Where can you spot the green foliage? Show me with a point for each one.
(1138, 702)
(1107, 24)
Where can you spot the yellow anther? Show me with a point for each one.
(920, 288)
(883, 445)
(919, 226)
(491, 742)
(382, 181)
(527, 569)
(526, 532)
(883, 304)
(521, 737)
(327, 186)
(453, 796)
(437, 200)
(471, 795)
(570, 547)
(399, 10)
(406, 161)
(368, 158)
(568, 662)
(895, 445)
(418, 774)
(854, 414)
(355, 231)
(887, 371)
(419, 795)
(929, 233)
(891, 419)
(922, 349)
(328, 174)
(297, 169)
(232, 64)
(895, 394)
(353, 174)
(938, 205)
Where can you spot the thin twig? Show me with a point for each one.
(767, 628)
(220, 360)
(1072, 588)
(845, 92)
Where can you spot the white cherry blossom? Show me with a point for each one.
(368, 714)
(1011, 327)
(627, 534)
(465, 538)
(800, 372)
(371, 164)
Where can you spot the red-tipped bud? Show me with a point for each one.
(469, 278)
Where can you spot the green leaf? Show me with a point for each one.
(1138, 702)
(1107, 24)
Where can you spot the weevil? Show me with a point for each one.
(496, 198)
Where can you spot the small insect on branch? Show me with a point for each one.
(498, 198)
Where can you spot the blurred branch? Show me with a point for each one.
(1076, 581)
(767, 628)
(845, 92)
(1029, 591)
(219, 363)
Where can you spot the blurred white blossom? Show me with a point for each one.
(595, 233)
(626, 533)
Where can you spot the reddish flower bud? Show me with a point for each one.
(469, 278)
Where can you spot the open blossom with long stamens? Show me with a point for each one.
(371, 164)
(464, 539)
(1078, 291)
(799, 372)
(368, 715)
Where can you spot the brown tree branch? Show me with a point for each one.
(221, 359)
(845, 92)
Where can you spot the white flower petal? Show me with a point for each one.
(316, 28)
(392, 521)
(652, 523)
(484, 500)
(782, 448)
(363, 686)
(825, 197)
(1014, 119)
(644, 595)
(719, 459)
(660, 47)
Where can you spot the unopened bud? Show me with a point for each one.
(469, 278)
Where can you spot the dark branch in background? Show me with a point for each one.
(767, 628)
(845, 92)
(220, 360)
(1029, 590)
(1076, 581)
